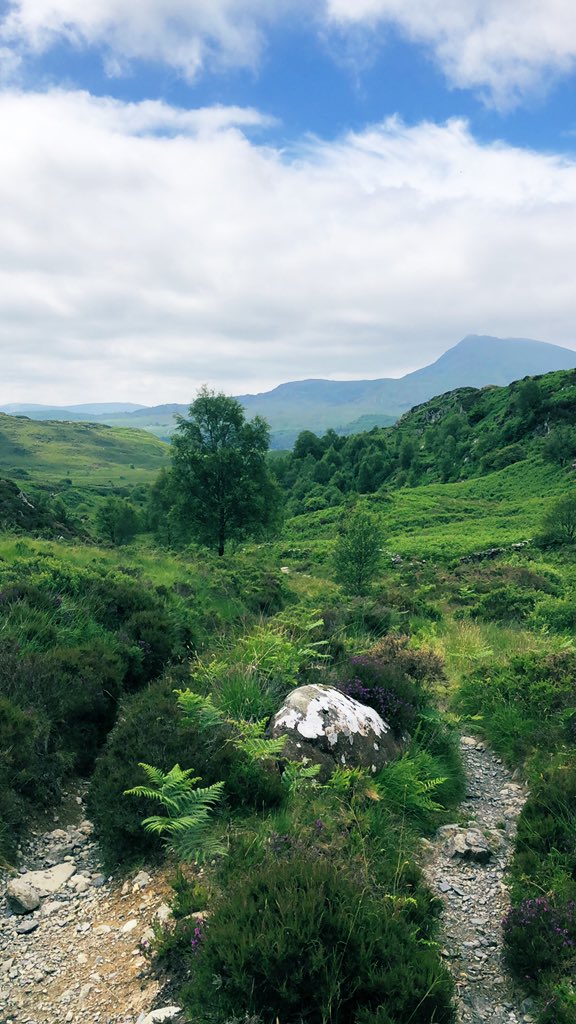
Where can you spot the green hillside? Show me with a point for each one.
(461, 435)
(85, 454)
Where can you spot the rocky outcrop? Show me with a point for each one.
(323, 726)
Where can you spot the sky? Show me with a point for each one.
(247, 192)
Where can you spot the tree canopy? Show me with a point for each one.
(220, 471)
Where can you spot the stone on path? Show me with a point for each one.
(166, 1013)
(22, 897)
(49, 881)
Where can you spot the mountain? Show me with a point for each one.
(85, 411)
(476, 361)
(353, 405)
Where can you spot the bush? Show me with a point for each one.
(528, 702)
(540, 939)
(299, 938)
(504, 604)
(545, 850)
(391, 678)
(27, 776)
(150, 728)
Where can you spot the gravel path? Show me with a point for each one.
(465, 867)
(74, 956)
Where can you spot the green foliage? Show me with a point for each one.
(545, 846)
(524, 703)
(187, 824)
(151, 726)
(559, 522)
(220, 471)
(117, 520)
(27, 777)
(504, 604)
(357, 552)
(302, 932)
(410, 787)
(33, 512)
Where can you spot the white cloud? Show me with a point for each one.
(186, 34)
(505, 48)
(145, 249)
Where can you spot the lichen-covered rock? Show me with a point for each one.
(325, 727)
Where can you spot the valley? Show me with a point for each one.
(331, 897)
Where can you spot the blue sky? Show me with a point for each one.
(243, 192)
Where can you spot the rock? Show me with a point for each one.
(141, 880)
(129, 927)
(22, 896)
(158, 1016)
(163, 914)
(102, 929)
(49, 881)
(470, 844)
(27, 927)
(79, 884)
(98, 881)
(325, 727)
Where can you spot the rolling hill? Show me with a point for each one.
(86, 454)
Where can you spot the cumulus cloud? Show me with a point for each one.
(147, 249)
(505, 48)
(186, 35)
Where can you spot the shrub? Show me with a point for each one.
(150, 728)
(545, 849)
(391, 678)
(299, 938)
(560, 1005)
(540, 939)
(524, 703)
(505, 604)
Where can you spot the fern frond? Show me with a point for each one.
(199, 710)
(187, 824)
(260, 749)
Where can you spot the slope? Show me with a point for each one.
(86, 454)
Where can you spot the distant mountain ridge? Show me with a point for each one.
(348, 406)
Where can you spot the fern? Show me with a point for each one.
(187, 824)
(296, 775)
(408, 785)
(198, 710)
(251, 741)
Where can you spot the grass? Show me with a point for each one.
(86, 455)
(448, 521)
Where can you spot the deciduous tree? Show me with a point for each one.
(223, 485)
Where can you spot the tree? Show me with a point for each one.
(559, 522)
(117, 520)
(357, 554)
(223, 485)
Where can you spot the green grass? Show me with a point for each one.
(88, 455)
(447, 521)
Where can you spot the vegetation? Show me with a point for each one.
(419, 573)
(221, 484)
